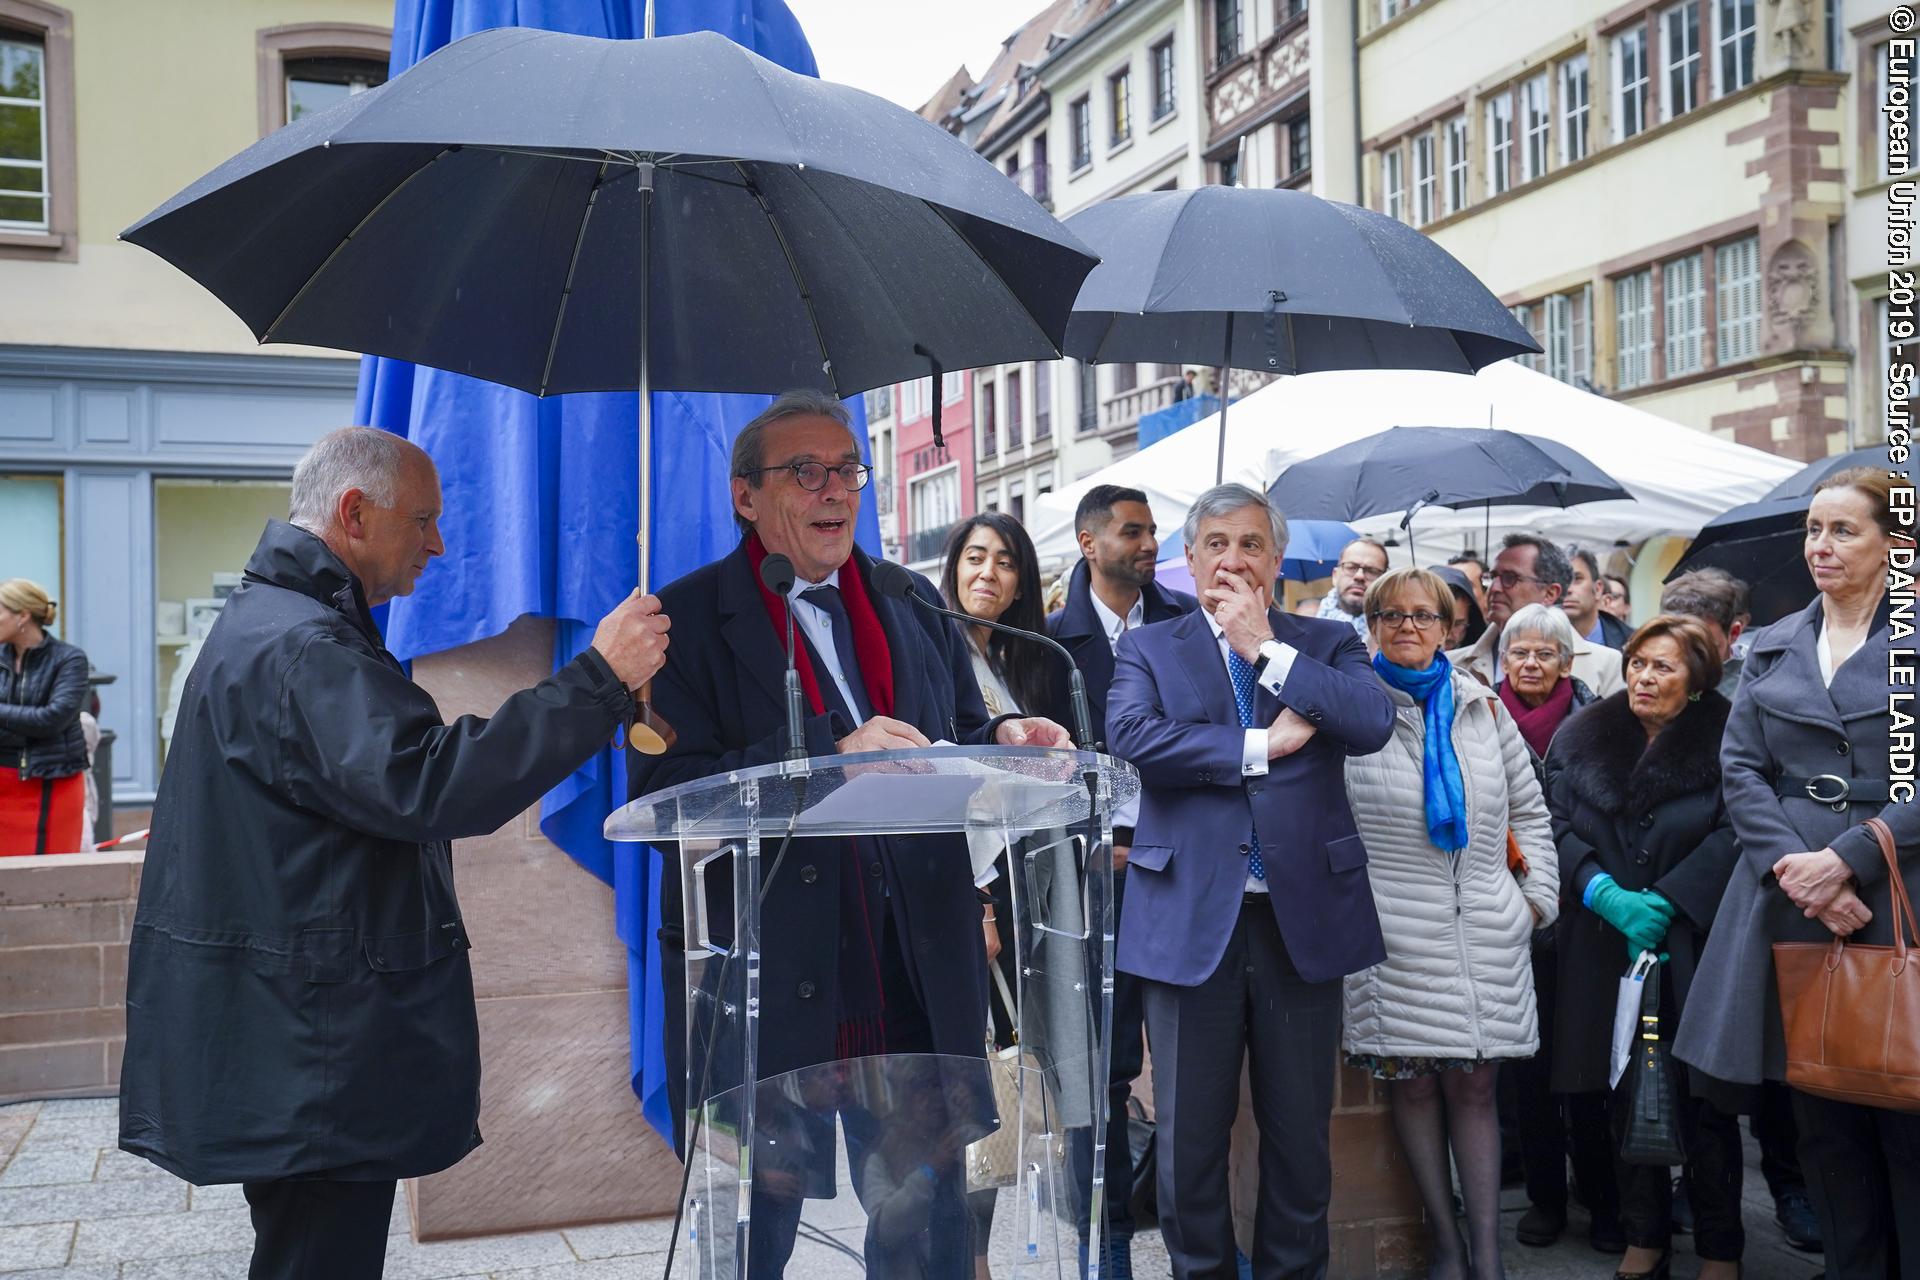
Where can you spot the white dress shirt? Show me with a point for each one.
(817, 623)
(1128, 814)
(1272, 678)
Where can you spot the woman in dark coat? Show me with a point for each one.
(1646, 849)
(43, 757)
(1813, 708)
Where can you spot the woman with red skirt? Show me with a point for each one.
(43, 757)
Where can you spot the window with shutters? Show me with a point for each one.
(1425, 180)
(1499, 143)
(1575, 109)
(1679, 60)
(1393, 189)
(1684, 292)
(1630, 83)
(1535, 116)
(1527, 315)
(1568, 336)
(1737, 299)
(1633, 329)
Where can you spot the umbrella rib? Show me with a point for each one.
(941, 213)
(266, 335)
(573, 265)
(573, 157)
(793, 269)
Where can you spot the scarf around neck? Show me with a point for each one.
(1446, 791)
(1539, 724)
(869, 638)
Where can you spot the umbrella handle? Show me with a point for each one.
(649, 734)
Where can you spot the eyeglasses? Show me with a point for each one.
(812, 476)
(1545, 657)
(1353, 570)
(1508, 578)
(1421, 619)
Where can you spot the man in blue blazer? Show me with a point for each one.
(1111, 592)
(1248, 898)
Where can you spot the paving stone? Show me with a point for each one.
(172, 1235)
(602, 1269)
(68, 1108)
(229, 1264)
(107, 1272)
(618, 1239)
(75, 1202)
(50, 1167)
(35, 1248)
(440, 1261)
(89, 1131)
(114, 1165)
(226, 1195)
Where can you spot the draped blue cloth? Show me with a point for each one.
(541, 495)
(1445, 790)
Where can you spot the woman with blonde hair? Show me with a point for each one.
(1454, 997)
(43, 756)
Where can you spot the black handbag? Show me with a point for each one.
(1648, 1099)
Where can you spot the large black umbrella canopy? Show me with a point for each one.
(1281, 282)
(1762, 544)
(482, 213)
(1406, 468)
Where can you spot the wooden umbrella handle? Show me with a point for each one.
(649, 734)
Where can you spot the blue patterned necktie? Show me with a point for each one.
(1242, 672)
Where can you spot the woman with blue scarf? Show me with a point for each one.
(1457, 910)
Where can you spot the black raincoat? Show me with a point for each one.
(299, 997)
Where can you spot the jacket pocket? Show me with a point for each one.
(396, 952)
(1346, 854)
(1152, 857)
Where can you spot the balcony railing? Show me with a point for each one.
(1125, 408)
(928, 544)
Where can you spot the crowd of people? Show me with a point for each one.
(1428, 829)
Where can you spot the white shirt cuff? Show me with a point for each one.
(1253, 757)
(1279, 663)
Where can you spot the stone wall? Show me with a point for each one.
(64, 922)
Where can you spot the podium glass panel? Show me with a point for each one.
(901, 1164)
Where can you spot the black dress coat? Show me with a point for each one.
(299, 997)
(721, 689)
(40, 710)
(1078, 628)
(1650, 815)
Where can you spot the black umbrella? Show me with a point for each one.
(563, 213)
(1407, 468)
(1761, 543)
(1801, 483)
(1280, 282)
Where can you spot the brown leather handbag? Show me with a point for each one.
(1852, 1013)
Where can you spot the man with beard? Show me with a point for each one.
(1361, 561)
(1533, 570)
(1111, 592)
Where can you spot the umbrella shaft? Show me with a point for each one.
(646, 384)
(1226, 376)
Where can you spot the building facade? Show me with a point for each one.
(144, 437)
(1673, 196)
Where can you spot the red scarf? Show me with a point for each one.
(869, 639)
(1537, 724)
(860, 1026)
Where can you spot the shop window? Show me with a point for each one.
(30, 530)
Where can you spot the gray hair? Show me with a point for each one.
(1544, 621)
(363, 458)
(1550, 563)
(750, 446)
(1225, 499)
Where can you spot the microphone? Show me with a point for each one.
(776, 574)
(897, 582)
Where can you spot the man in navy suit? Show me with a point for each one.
(1111, 592)
(867, 946)
(1248, 898)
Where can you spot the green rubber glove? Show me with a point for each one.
(1642, 915)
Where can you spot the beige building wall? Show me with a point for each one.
(157, 101)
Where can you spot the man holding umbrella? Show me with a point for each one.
(300, 1013)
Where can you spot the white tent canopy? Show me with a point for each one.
(1680, 478)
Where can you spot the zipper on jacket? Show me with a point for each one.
(1459, 913)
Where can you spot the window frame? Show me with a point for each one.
(1119, 106)
(1164, 80)
(1456, 161)
(1639, 350)
(1426, 188)
(275, 47)
(1393, 187)
(51, 27)
(1725, 283)
(1499, 153)
(1535, 136)
(1576, 121)
(1016, 428)
(1723, 41)
(1638, 90)
(1222, 55)
(1080, 134)
(1689, 62)
(1300, 145)
(1674, 303)
(1568, 325)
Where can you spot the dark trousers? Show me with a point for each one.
(1711, 1139)
(310, 1230)
(1779, 1138)
(1127, 1035)
(1863, 1172)
(1254, 1004)
(1554, 1125)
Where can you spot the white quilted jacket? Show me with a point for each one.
(1458, 978)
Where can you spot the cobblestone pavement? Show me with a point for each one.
(72, 1207)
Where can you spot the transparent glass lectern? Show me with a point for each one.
(890, 1165)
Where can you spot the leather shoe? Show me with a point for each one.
(1661, 1270)
(1540, 1226)
(1794, 1212)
